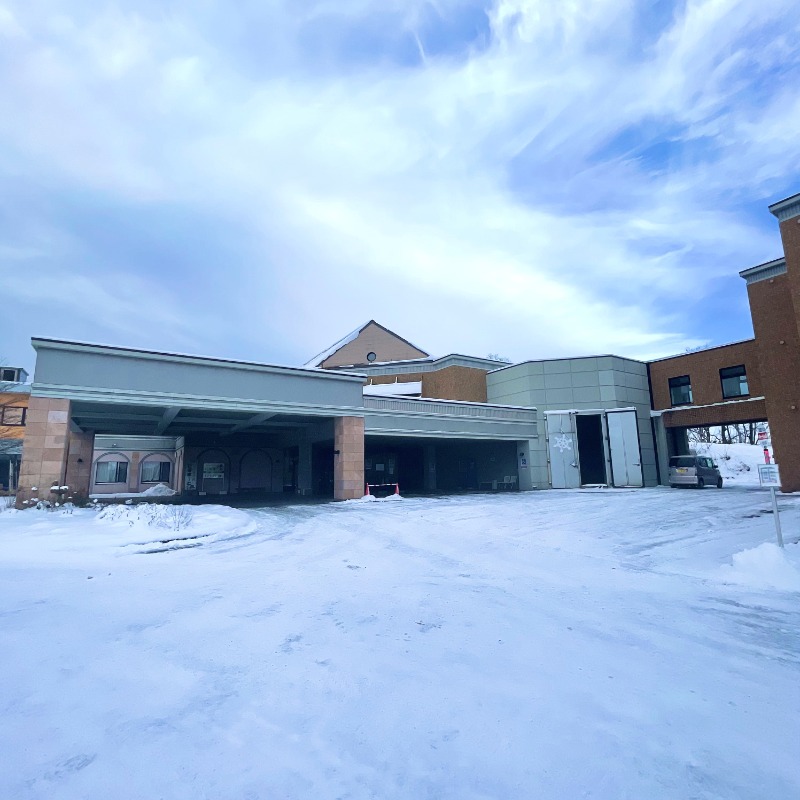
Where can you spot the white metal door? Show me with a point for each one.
(562, 444)
(623, 440)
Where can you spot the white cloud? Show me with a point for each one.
(463, 200)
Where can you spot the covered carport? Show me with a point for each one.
(671, 426)
(238, 421)
(443, 446)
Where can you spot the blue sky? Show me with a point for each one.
(254, 179)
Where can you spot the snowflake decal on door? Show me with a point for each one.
(562, 443)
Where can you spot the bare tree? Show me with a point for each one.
(738, 433)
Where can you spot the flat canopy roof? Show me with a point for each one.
(39, 342)
(92, 373)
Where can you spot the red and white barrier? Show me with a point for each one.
(379, 485)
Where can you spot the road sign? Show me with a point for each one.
(768, 475)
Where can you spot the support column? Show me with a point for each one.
(80, 448)
(348, 458)
(44, 449)
(133, 472)
(524, 466)
(304, 478)
(429, 466)
(662, 449)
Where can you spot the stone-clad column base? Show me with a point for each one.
(44, 449)
(79, 463)
(348, 465)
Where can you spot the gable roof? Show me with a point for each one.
(323, 356)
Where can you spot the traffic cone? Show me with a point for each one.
(397, 488)
(366, 494)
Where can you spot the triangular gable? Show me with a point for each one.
(354, 349)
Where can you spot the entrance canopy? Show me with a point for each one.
(122, 390)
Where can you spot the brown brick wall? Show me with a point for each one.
(775, 322)
(703, 368)
(727, 414)
(790, 236)
(451, 383)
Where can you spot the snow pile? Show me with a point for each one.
(765, 567)
(370, 498)
(159, 490)
(738, 463)
(7, 502)
(174, 518)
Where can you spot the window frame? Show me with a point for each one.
(14, 372)
(742, 374)
(687, 383)
(161, 465)
(117, 471)
(6, 423)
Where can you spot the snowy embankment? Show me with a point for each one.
(597, 644)
(738, 463)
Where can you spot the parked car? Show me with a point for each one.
(694, 470)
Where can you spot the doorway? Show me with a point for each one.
(592, 452)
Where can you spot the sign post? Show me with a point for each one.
(769, 476)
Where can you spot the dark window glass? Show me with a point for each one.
(682, 461)
(8, 375)
(734, 381)
(680, 390)
(12, 416)
(112, 472)
(155, 472)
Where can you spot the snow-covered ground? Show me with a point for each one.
(738, 463)
(597, 644)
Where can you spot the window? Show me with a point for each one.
(111, 472)
(156, 471)
(371, 357)
(680, 390)
(9, 375)
(11, 415)
(734, 381)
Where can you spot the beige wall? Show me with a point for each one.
(44, 450)
(386, 345)
(348, 469)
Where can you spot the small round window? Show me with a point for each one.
(371, 357)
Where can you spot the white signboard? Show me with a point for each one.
(768, 475)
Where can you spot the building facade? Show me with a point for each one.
(376, 410)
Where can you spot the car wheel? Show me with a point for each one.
(701, 484)
(719, 483)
